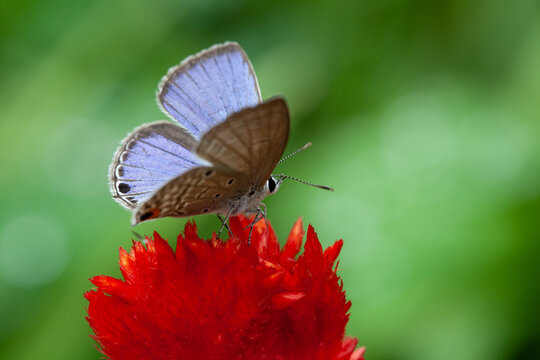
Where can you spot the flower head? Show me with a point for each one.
(214, 299)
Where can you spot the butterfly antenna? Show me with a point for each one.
(296, 152)
(283, 177)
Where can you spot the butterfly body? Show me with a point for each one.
(220, 155)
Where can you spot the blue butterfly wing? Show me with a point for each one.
(148, 157)
(207, 87)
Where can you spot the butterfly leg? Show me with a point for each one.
(251, 227)
(223, 224)
(262, 208)
(224, 221)
(260, 214)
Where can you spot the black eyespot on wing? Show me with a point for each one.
(146, 216)
(150, 214)
(217, 196)
(251, 192)
(209, 172)
(230, 181)
(123, 188)
(205, 211)
(271, 184)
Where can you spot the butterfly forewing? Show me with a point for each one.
(250, 142)
(199, 191)
(208, 87)
(148, 157)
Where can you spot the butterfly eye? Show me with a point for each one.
(271, 184)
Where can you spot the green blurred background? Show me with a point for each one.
(424, 116)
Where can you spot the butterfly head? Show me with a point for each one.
(272, 185)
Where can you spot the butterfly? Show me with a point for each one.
(219, 155)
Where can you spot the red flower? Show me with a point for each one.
(224, 299)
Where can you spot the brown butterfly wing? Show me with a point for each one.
(249, 142)
(198, 191)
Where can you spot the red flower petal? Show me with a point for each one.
(224, 300)
(358, 354)
(293, 244)
(332, 252)
(283, 300)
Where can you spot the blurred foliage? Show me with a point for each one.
(424, 117)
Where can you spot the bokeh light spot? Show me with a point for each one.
(33, 251)
(72, 150)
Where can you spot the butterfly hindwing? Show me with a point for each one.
(249, 142)
(148, 157)
(208, 87)
(198, 191)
